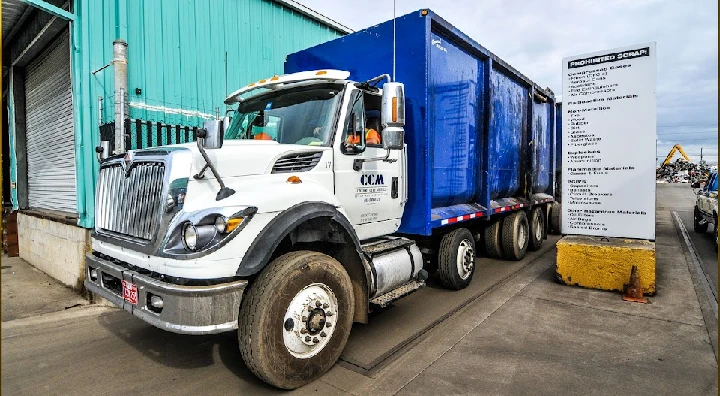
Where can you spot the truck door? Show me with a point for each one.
(373, 195)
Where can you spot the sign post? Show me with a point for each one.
(608, 165)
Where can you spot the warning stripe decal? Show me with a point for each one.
(502, 209)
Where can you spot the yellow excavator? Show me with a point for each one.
(676, 148)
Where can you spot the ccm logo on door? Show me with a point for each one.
(372, 180)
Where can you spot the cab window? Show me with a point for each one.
(353, 135)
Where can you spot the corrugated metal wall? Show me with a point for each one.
(183, 55)
(186, 55)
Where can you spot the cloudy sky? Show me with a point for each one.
(534, 36)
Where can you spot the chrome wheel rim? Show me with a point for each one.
(465, 259)
(522, 237)
(538, 228)
(310, 321)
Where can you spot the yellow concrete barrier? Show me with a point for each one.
(605, 263)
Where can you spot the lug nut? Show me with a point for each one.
(318, 303)
(303, 330)
(329, 313)
(322, 334)
(326, 305)
(304, 318)
(328, 325)
(316, 340)
(307, 338)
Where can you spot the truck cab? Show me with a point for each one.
(278, 222)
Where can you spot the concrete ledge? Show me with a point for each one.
(605, 263)
(55, 248)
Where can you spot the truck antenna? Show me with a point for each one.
(393, 76)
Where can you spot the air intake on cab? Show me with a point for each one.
(298, 162)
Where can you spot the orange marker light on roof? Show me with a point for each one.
(262, 81)
(274, 78)
(321, 72)
(424, 12)
(251, 84)
(294, 180)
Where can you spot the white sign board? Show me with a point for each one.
(608, 136)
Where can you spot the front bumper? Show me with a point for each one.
(186, 309)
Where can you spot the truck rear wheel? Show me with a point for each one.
(537, 228)
(493, 244)
(697, 218)
(296, 318)
(515, 236)
(456, 259)
(555, 218)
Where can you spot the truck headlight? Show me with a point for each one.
(199, 231)
(189, 236)
(220, 224)
(197, 237)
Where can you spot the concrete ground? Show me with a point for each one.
(26, 291)
(526, 334)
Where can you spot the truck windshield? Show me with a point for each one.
(304, 115)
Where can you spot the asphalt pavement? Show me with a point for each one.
(680, 198)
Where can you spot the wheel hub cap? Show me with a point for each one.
(310, 320)
(465, 259)
(522, 237)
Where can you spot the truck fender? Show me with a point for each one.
(268, 240)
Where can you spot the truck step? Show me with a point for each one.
(386, 245)
(397, 293)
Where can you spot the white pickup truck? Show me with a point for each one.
(706, 204)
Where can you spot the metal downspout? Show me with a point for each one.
(121, 84)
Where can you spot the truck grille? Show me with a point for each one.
(301, 162)
(130, 205)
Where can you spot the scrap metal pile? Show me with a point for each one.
(683, 171)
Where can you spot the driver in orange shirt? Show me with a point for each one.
(371, 137)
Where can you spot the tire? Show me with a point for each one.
(492, 240)
(272, 344)
(537, 228)
(456, 259)
(554, 222)
(515, 236)
(697, 217)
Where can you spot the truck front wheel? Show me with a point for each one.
(698, 224)
(296, 318)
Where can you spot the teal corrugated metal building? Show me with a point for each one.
(183, 58)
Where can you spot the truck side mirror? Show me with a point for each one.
(213, 134)
(393, 116)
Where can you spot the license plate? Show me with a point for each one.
(130, 292)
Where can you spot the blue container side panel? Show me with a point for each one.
(541, 147)
(558, 137)
(454, 88)
(367, 54)
(505, 141)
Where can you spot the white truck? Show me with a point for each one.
(706, 203)
(310, 205)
